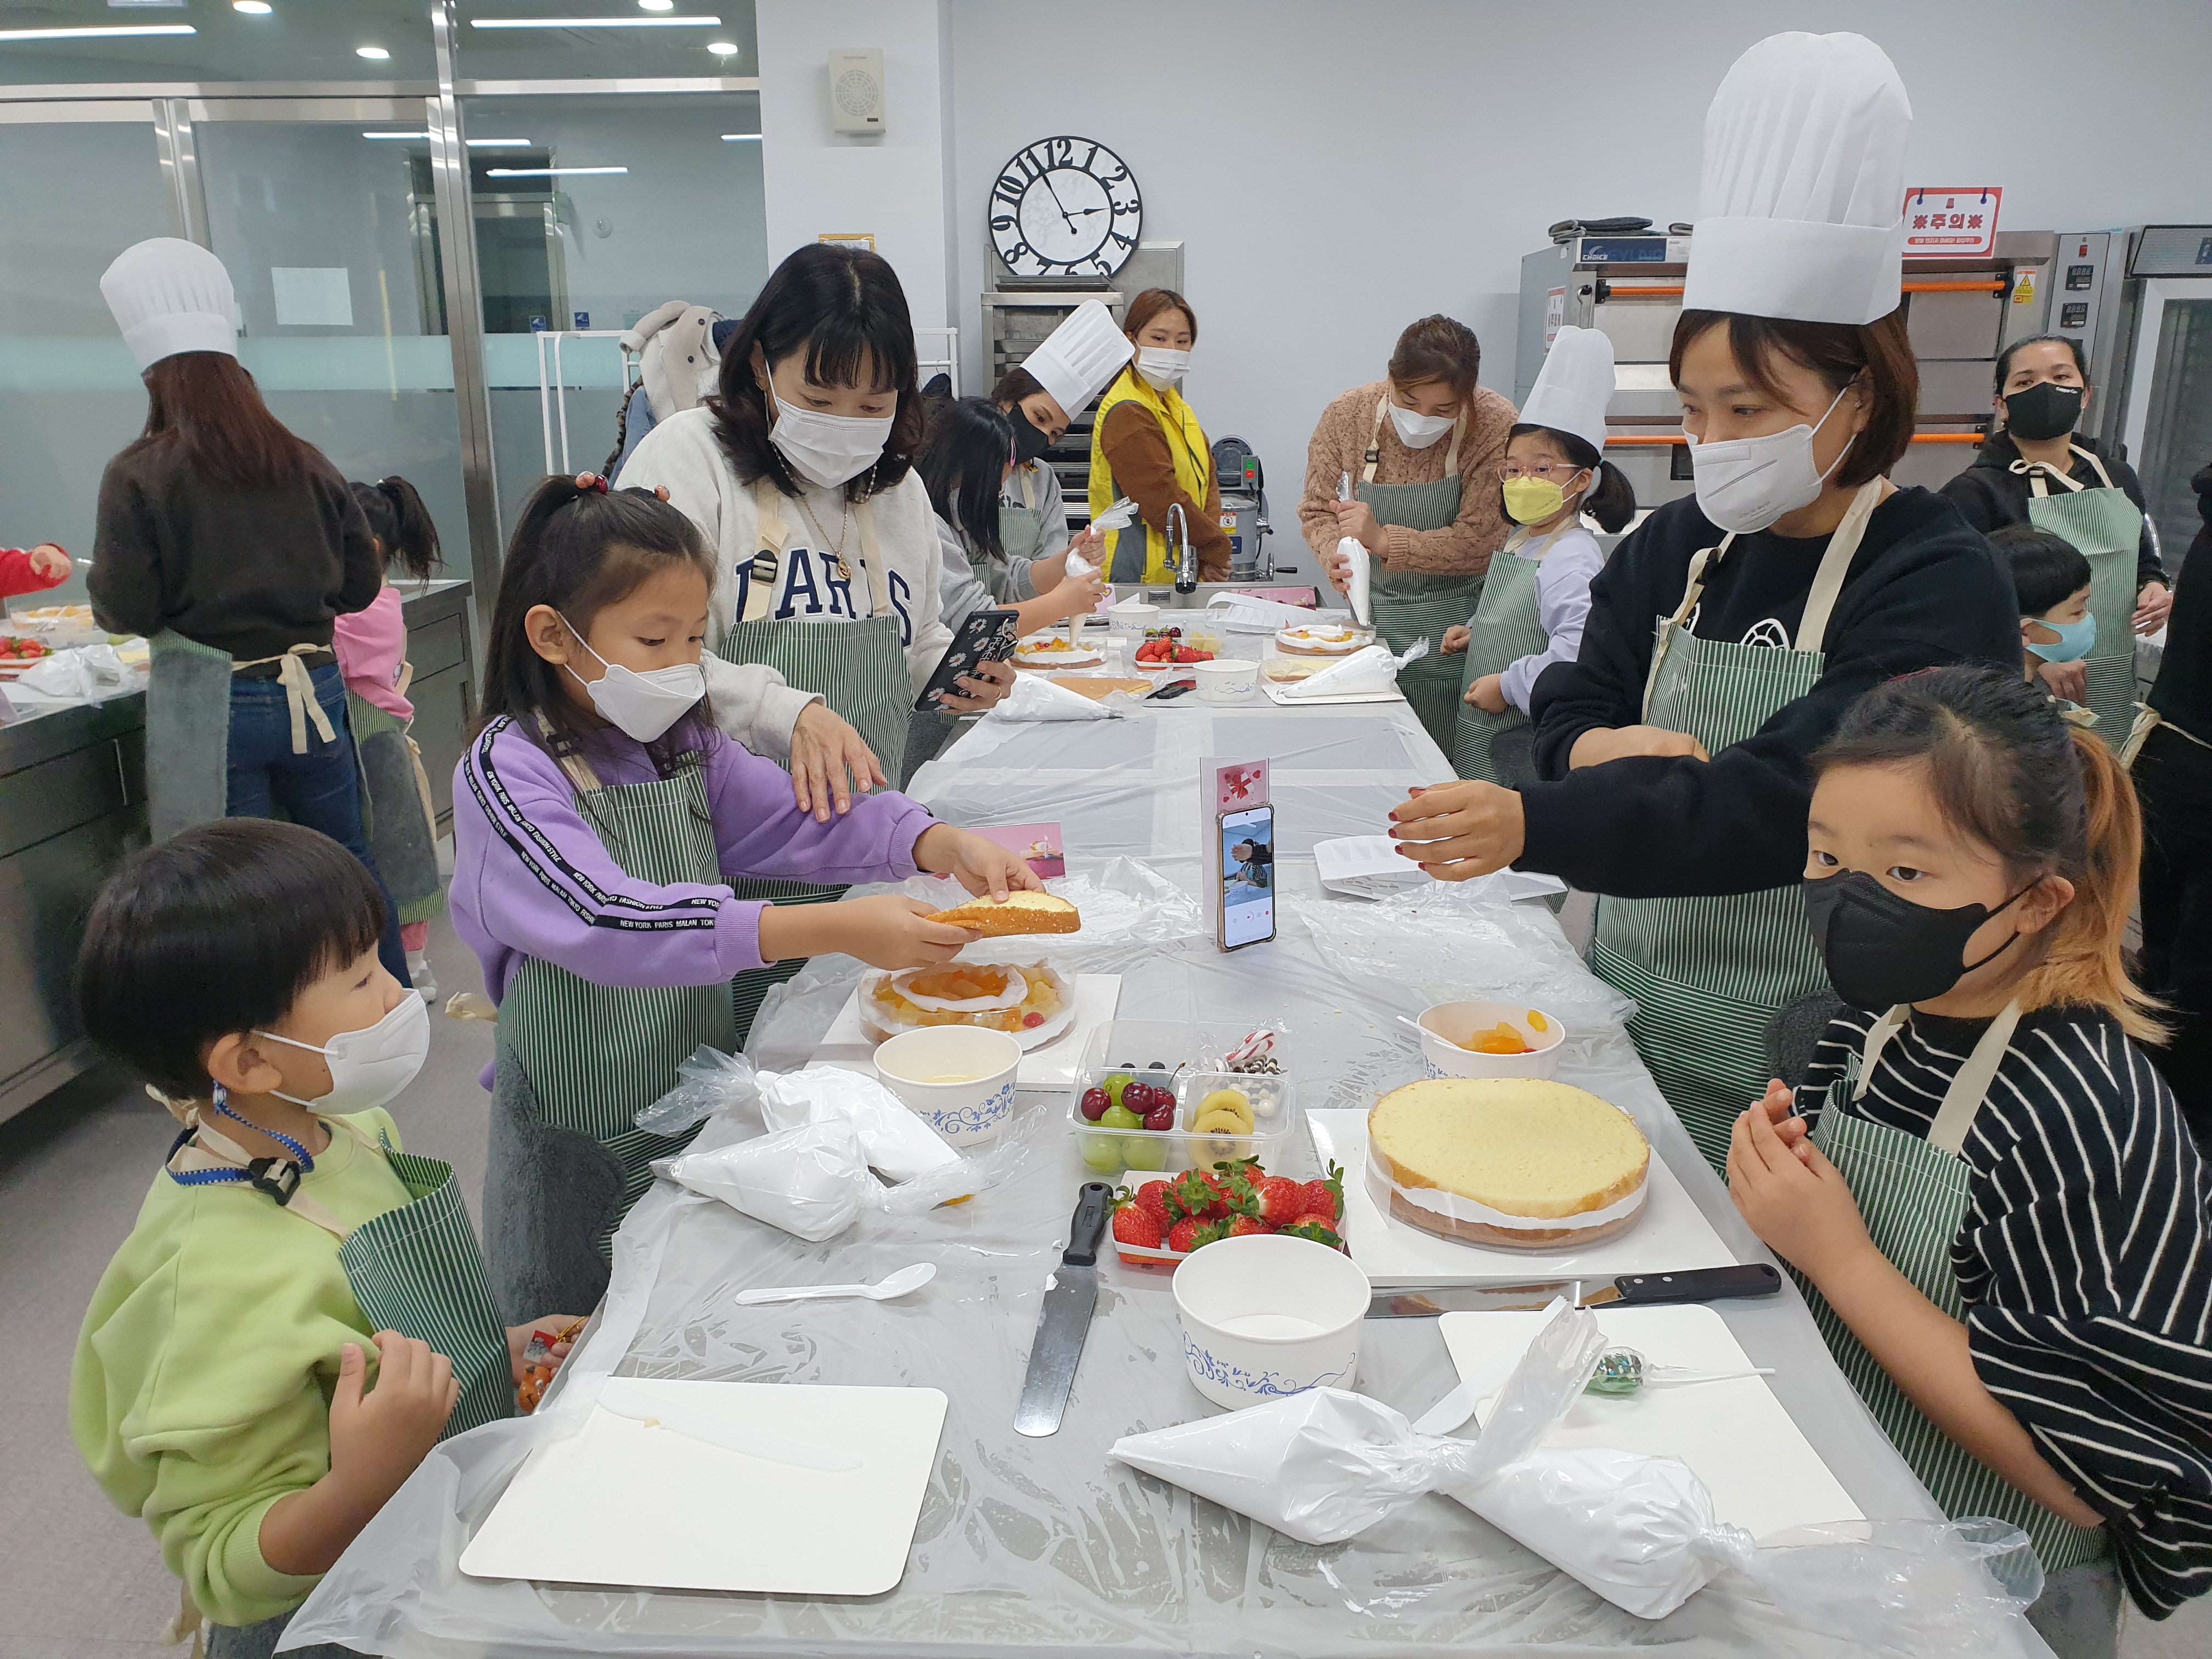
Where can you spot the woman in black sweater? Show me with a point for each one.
(232, 545)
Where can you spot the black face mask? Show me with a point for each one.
(2045, 409)
(1881, 950)
(1029, 442)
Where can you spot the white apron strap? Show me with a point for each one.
(2037, 472)
(1835, 565)
(1374, 443)
(880, 600)
(578, 770)
(1969, 1087)
(767, 539)
(298, 694)
(1692, 587)
(211, 1149)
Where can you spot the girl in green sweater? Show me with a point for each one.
(289, 1249)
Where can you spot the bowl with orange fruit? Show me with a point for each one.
(1489, 1039)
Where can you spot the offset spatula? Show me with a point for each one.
(1064, 1322)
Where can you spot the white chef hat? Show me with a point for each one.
(1574, 386)
(170, 295)
(1079, 357)
(1800, 209)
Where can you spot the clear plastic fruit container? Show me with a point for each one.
(1186, 1058)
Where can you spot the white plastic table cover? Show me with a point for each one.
(1048, 1547)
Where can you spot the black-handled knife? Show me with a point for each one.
(1750, 1278)
(1064, 1322)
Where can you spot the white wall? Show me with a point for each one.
(1336, 170)
(893, 185)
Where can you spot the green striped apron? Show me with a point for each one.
(577, 1061)
(1708, 974)
(2107, 527)
(1021, 535)
(1411, 604)
(1912, 1193)
(861, 670)
(395, 809)
(414, 1269)
(1507, 626)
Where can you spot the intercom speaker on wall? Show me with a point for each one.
(856, 90)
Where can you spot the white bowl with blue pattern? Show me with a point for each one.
(959, 1079)
(1265, 1316)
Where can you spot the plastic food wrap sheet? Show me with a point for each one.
(1033, 1548)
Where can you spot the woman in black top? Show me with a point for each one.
(233, 546)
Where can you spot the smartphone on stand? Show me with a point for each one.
(1247, 876)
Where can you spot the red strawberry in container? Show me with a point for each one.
(1153, 1199)
(1182, 1237)
(1281, 1200)
(1325, 1197)
(1135, 1225)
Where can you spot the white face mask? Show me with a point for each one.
(642, 705)
(1745, 484)
(828, 450)
(1419, 431)
(369, 1066)
(1162, 367)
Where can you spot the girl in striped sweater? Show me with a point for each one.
(1991, 1199)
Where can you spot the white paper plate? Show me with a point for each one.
(1672, 1233)
(1035, 1036)
(1278, 694)
(1763, 1474)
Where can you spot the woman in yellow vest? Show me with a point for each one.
(1147, 445)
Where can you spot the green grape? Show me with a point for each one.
(1145, 1152)
(1102, 1153)
(1114, 1086)
(1118, 1116)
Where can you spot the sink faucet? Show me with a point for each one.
(1178, 529)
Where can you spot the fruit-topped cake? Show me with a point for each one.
(996, 996)
(1316, 640)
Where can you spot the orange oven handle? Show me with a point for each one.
(1673, 291)
(1641, 442)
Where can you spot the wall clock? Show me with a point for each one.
(1066, 207)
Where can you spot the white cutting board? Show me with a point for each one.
(1671, 1234)
(1047, 1067)
(624, 1504)
(1763, 1475)
(1278, 694)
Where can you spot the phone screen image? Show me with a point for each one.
(1248, 877)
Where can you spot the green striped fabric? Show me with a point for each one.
(2107, 527)
(1411, 606)
(1913, 1198)
(1707, 974)
(416, 1270)
(596, 1055)
(1507, 626)
(751, 988)
(859, 668)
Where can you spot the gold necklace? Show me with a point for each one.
(844, 533)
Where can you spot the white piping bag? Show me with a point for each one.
(1354, 552)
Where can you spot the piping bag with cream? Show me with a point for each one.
(1326, 1464)
(1354, 552)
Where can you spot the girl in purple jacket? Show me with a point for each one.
(600, 821)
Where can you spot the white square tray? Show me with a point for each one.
(1275, 695)
(1672, 1234)
(1763, 1474)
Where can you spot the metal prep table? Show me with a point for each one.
(1044, 1549)
(73, 804)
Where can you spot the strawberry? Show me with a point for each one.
(1152, 1199)
(1194, 1194)
(1182, 1237)
(1241, 1226)
(1281, 1200)
(1211, 1232)
(1322, 1229)
(1326, 1197)
(1135, 1225)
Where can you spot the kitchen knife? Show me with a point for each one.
(1064, 1321)
(1632, 1289)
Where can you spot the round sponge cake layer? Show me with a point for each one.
(1519, 1146)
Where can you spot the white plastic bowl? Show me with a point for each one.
(1267, 1316)
(1131, 617)
(966, 1112)
(1447, 1025)
(1226, 679)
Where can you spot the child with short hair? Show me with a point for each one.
(372, 652)
(2051, 576)
(2003, 1227)
(287, 1244)
(598, 820)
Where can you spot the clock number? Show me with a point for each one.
(1122, 208)
(1102, 267)
(1116, 176)
(1020, 251)
(1061, 151)
(1122, 241)
(1003, 221)
(1009, 189)
(1029, 165)
(1089, 159)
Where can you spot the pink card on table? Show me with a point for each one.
(1237, 784)
(1039, 844)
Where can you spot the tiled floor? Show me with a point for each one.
(77, 1580)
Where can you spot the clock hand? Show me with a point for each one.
(1046, 177)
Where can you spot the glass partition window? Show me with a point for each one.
(69, 395)
(329, 240)
(289, 40)
(543, 39)
(595, 211)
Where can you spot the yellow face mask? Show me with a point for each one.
(1532, 500)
